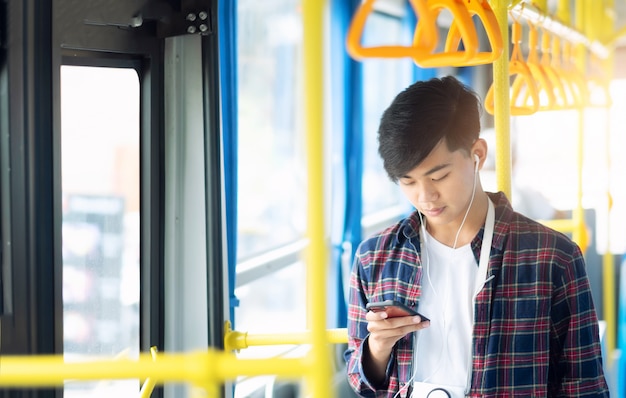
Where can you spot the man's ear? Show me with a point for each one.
(479, 149)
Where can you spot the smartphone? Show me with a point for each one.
(394, 309)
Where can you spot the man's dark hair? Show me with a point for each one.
(421, 116)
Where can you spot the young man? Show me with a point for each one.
(509, 302)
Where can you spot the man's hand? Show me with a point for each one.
(384, 333)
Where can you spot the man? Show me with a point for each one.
(509, 302)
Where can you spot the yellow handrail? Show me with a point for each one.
(599, 26)
(317, 260)
(571, 225)
(502, 108)
(201, 368)
(235, 340)
(149, 384)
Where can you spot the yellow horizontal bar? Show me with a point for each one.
(200, 368)
(337, 336)
(539, 18)
(235, 340)
(334, 336)
(561, 225)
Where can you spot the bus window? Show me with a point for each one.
(272, 158)
(100, 189)
(271, 214)
(379, 193)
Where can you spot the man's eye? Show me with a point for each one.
(407, 182)
(441, 178)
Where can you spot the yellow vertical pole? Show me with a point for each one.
(502, 106)
(542, 5)
(579, 232)
(610, 297)
(600, 25)
(149, 383)
(563, 12)
(591, 24)
(319, 376)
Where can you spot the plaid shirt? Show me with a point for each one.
(535, 327)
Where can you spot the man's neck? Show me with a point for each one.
(461, 233)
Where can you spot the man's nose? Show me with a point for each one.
(426, 194)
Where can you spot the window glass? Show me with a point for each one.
(271, 173)
(272, 168)
(100, 188)
(383, 79)
(555, 178)
(286, 299)
(279, 309)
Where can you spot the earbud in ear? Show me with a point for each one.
(477, 162)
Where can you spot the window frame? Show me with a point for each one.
(33, 321)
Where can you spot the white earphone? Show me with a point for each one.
(477, 161)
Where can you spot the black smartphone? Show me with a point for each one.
(394, 309)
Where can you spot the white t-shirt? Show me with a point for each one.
(443, 350)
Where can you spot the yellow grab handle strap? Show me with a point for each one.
(523, 92)
(354, 37)
(426, 56)
(482, 9)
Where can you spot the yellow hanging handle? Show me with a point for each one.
(426, 55)
(560, 95)
(570, 97)
(357, 26)
(524, 95)
(483, 11)
(545, 89)
(577, 82)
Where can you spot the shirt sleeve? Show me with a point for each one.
(357, 339)
(577, 353)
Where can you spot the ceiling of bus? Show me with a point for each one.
(619, 13)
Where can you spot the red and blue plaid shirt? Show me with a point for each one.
(535, 328)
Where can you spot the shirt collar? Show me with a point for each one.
(410, 226)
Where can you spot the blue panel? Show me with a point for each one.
(346, 83)
(227, 17)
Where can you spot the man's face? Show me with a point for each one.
(440, 187)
